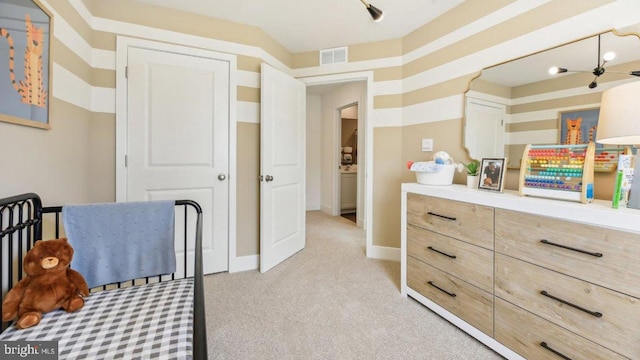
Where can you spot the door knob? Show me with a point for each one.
(268, 178)
(221, 177)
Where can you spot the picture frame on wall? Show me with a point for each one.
(492, 171)
(25, 63)
(578, 126)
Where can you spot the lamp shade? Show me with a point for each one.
(619, 120)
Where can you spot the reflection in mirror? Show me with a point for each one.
(349, 133)
(519, 102)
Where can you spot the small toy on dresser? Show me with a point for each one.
(49, 284)
(440, 171)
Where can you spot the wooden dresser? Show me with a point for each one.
(531, 278)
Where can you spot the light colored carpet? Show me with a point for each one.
(327, 302)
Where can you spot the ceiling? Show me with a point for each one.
(305, 25)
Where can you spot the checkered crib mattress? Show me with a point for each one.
(152, 321)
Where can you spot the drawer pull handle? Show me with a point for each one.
(442, 216)
(441, 289)
(594, 313)
(440, 252)
(544, 345)
(570, 248)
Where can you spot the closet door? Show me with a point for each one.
(178, 139)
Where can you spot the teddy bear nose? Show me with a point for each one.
(49, 262)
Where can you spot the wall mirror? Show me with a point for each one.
(519, 102)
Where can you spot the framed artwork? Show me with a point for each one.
(578, 126)
(492, 174)
(25, 63)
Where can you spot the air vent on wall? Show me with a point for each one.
(333, 56)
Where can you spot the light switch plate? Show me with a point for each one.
(427, 144)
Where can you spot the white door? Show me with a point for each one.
(177, 139)
(484, 128)
(282, 167)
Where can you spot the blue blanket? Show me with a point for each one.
(121, 241)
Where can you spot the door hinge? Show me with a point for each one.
(126, 161)
(126, 72)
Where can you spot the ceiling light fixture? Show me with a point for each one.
(598, 70)
(376, 14)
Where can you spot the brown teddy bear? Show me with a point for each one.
(49, 284)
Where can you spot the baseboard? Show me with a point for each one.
(244, 263)
(313, 206)
(326, 209)
(383, 253)
(252, 262)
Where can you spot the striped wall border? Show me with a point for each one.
(101, 99)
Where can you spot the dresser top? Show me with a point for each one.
(599, 212)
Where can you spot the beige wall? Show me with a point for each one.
(418, 86)
(52, 163)
(248, 194)
(387, 177)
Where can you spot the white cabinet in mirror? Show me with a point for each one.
(519, 102)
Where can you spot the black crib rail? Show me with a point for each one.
(21, 223)
(20, 227)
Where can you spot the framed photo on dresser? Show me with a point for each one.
(492, 174)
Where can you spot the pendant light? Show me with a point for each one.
(376, 14)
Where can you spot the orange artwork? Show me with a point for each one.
(31, 89)
(24, 81)
(574, 136)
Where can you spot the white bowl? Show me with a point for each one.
(442, 177)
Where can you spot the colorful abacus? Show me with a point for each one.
(606, 159)
(558, 171)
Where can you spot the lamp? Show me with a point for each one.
(619, 124)
(619, 119)
(376, 14)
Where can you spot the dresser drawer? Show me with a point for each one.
(611, 257)
(468, 262)
(524, 333)
(464, 221)
(460, 298)
(604, 316)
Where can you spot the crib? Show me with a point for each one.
(159, 316)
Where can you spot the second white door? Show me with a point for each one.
(282, 165)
